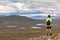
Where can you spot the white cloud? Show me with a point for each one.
(10, 7)
(45, 7)
(6, 9)
(20, 6)
(43, 0)
(4, 1)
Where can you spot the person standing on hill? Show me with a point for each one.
(49, 22)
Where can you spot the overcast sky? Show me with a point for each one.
(51, 7)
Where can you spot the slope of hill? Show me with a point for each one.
(17, 20)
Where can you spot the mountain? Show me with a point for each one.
(17, 21)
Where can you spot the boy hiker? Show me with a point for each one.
(49, 22)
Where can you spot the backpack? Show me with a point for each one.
(48, 22)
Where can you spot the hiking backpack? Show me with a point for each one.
(48, 22)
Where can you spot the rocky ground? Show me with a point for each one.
(56, 36)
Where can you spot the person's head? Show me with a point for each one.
(49, 16)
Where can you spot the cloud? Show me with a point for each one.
(15, 1)
(6, 9)
(4, 1)
(20, 6)
(10, 7)
(46, 7)
(42, 0)
(51, 7)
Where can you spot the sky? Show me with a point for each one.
(38, 9)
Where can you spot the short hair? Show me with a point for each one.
(49, 16)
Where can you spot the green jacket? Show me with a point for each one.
(50, 20)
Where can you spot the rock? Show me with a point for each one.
(53, 37)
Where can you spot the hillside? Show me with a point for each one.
(17, 21)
